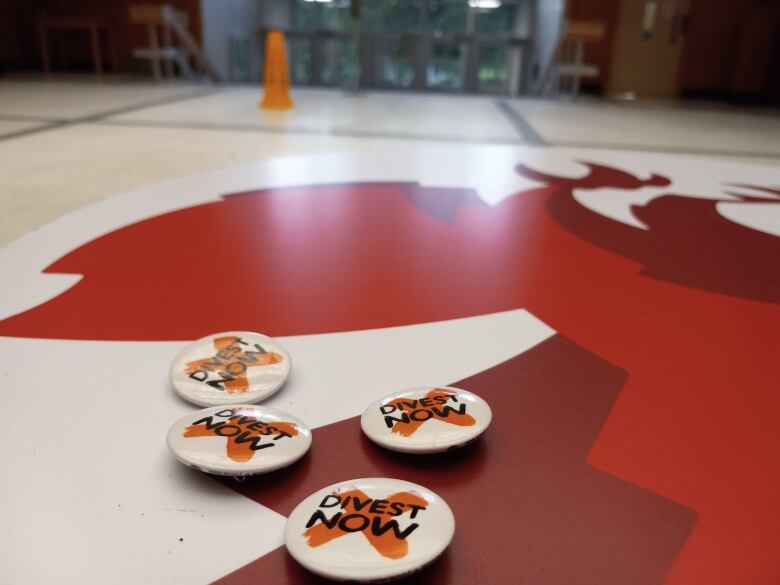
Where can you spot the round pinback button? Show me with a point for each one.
(426, 420)
(244, 439)
(371, 529)
(236, 367)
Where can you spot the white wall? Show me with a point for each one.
(239, 19)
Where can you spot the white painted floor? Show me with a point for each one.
(74, 99)
(11, 127)
(65, 143)
(333, 112)
(654, 125)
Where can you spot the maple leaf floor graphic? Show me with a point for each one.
(528, 507)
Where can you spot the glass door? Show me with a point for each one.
(493, 68)
(338, 62)
(299, 57)
(445, 69)
(394, 63)
(438, 45)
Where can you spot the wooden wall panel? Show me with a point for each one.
(19, 49)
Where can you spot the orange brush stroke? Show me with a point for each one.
(388, 544)
(239, 452)
(407, 429)
(238, 383)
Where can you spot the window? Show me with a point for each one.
(445, 67)
(304, 15)
(395, 64)
(299, 52)
(392, 16)
(445, 45)
(447, 18)
(496, 21)
(492, 73)
(335, 16)
(339, 63)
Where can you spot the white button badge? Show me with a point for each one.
(239, 440)
(230, 368)
(369, 529)
(426, 420)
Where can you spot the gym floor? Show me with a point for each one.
(90, 139)
(603, 273)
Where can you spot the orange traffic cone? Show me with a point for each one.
(276, 81)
